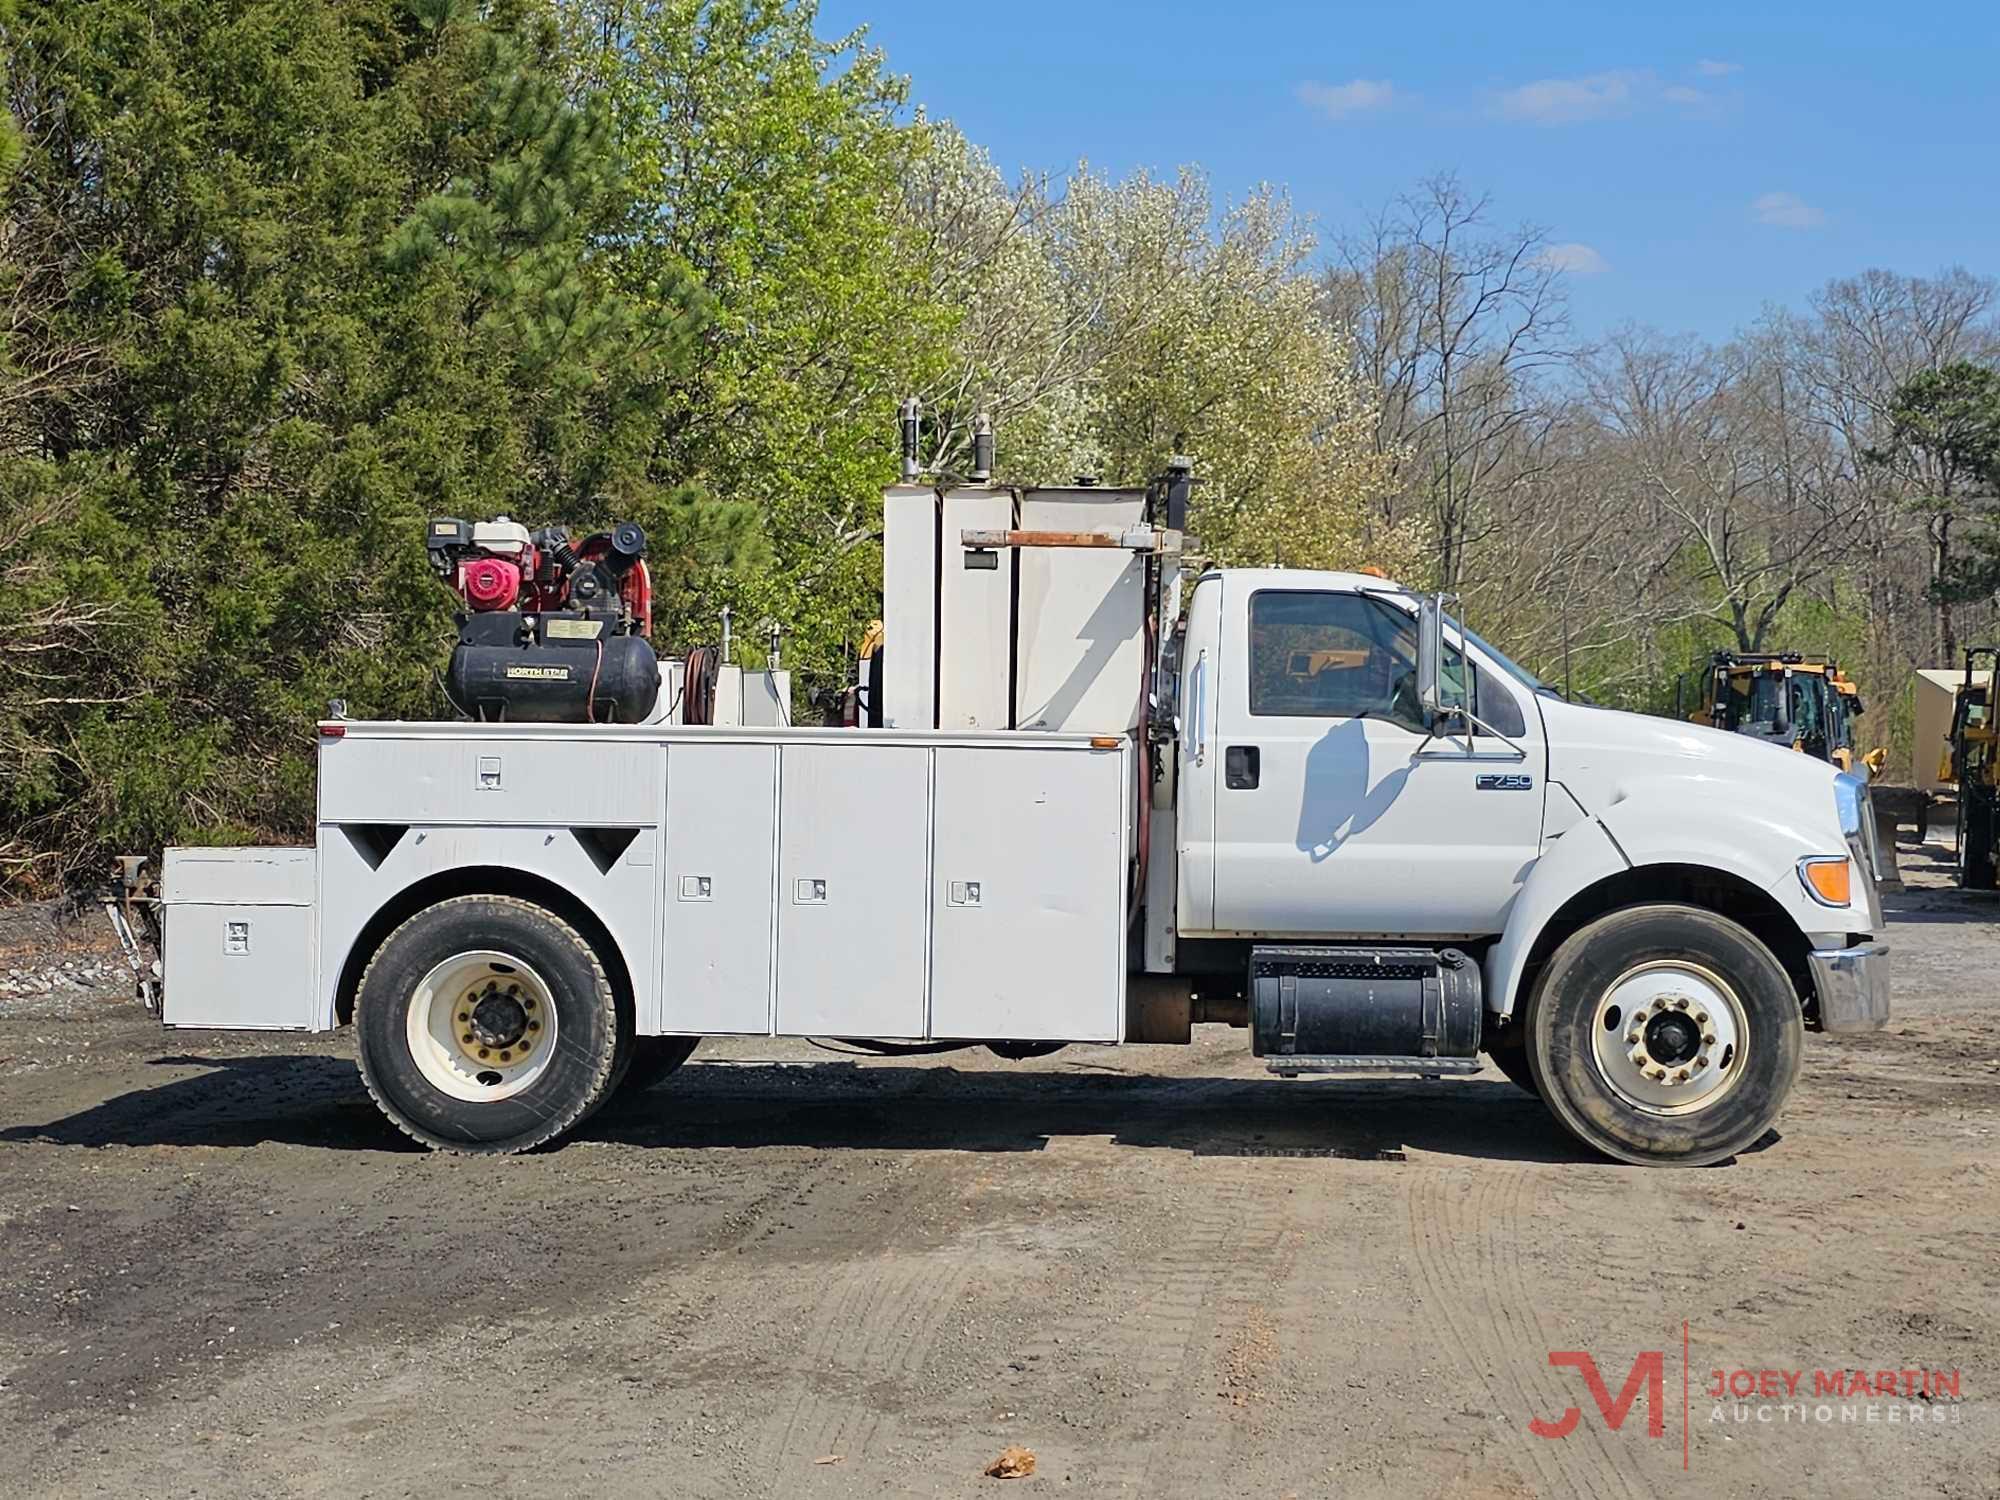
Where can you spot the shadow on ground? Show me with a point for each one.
(320, 1102)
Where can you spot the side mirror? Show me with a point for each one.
(1430, 657)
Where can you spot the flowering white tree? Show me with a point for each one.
(1108, 324)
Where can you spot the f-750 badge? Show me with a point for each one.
(1494, 781)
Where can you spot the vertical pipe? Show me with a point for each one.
(909, 421)
(982, 449)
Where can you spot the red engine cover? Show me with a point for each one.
(489, 583)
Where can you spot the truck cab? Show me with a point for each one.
(1338, 789)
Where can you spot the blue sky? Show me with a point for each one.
(1703, 158)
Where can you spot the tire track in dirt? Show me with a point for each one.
(1148, 1330)
(874, 1317)
(1464, 1235)
(875, 1330)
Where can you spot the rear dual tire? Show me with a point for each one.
(1664, 1035)
(488, 1025)
(655, 1059)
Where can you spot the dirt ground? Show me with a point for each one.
(792, 1273)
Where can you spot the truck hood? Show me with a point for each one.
(1679, 787)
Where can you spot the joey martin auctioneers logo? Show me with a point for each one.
(1848, 1396)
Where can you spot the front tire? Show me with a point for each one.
(487, 1025)
(1975, 839)
(1511, 1058)
(1665, 1035)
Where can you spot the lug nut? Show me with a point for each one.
(1680, 1002)
(1701, 1018)
(1680, 1077)
(506, 1057)
(484, 1053)
(1630, 1036)
(468, 1039)
(1701, 1062)
(534, 1026)
(1639, 1056)
(1708, 1039)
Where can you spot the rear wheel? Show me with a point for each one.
(1022, 1051)
(486, 1024)
(655, 1059)
(1665, 1035)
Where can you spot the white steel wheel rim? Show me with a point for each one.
(482, 1026)
(1669, 1037)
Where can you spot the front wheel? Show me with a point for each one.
(1665, 1035)
(1511, 1058)
(486, 1024)
(1975, 839)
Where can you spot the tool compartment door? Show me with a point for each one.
(853, 835)
(721, 807)
(1028, 894)
(238, 947)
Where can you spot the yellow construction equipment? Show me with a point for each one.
(1804, 702)
(1975, 766)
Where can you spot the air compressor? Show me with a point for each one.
(552, 632)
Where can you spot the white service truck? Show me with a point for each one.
(1100, 794)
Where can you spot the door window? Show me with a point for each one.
(1335, 656)
(1319, 654)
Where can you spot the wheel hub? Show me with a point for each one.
(1673, 1038)
(482, 1025)
(499, 1020)
(1669, 1037)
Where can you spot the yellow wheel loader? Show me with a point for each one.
(1789, 699)
(1975, 766)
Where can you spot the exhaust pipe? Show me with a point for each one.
(982, 449)
(910, 420)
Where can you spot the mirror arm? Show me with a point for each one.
(1437, 732)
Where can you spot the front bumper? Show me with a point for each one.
(1853, 986)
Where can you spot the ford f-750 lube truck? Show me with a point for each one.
(1098, 795)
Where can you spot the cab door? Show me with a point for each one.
(1335, 813)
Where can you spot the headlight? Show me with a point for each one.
(1857, 827)
(1850, 795)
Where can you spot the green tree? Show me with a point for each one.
(287, 277)
(1106, 324)
(771, 162)
(1944, 437)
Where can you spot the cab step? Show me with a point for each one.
(1430, 1067)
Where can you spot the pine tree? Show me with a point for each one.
(287, 277)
